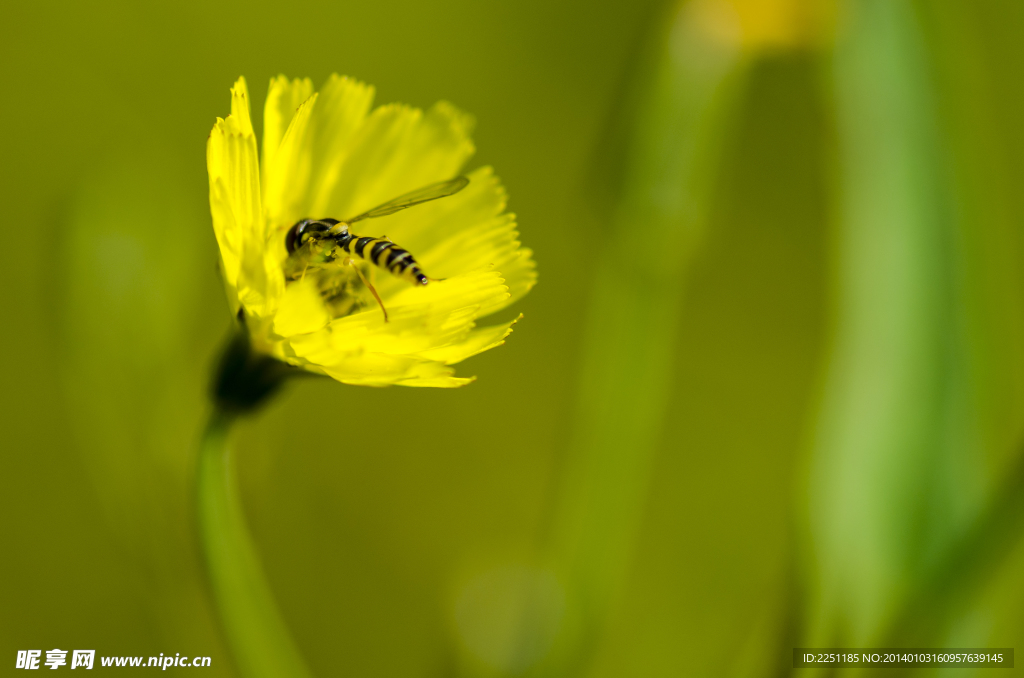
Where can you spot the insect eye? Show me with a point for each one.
(292, 238)
(297, 234)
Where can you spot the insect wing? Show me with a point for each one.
(442, 189)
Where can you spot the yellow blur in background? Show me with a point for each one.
(766, 25)
(769, 392)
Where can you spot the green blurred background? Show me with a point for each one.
(769, 391)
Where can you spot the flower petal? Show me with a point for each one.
(426, 318)
(235, 190)
(438, 382)
(301, 310)
(478, 341)
(283, 99)
(397, 150)
(286, 173)
(341, 113)
(240, 108)
(463, 232)
(379, 369)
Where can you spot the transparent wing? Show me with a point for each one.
(442, 189)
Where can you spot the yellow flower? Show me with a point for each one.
(768, 25)
(328, 155)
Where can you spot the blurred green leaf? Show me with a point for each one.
(899, 472)
(684, 101)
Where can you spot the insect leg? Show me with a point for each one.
(350, 262)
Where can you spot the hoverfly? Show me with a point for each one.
(314, 243)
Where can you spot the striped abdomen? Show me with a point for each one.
(385, 254)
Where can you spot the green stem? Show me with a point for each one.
(257, 636)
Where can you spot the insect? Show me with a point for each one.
(312, 243)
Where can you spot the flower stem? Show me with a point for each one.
(257, 636)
